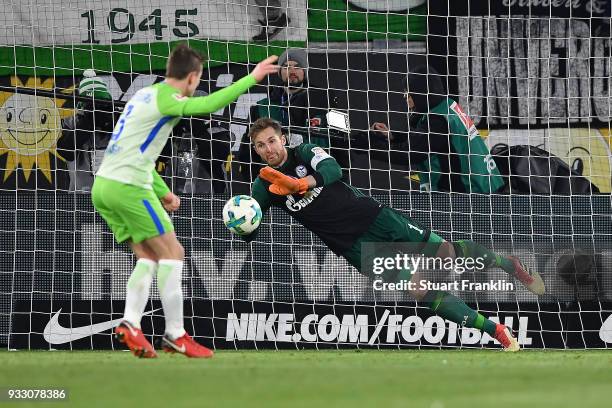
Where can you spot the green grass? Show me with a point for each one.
(433, 379)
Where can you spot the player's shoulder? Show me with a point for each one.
(166, 92)
(307, 150)
(307, 146)
(312, 154)
(144, 95)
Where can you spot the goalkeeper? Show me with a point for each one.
(305, 183)
(131, 197)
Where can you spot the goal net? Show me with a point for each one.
(534, 79)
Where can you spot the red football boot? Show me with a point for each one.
(187, 346)
(135, 340)
(503, 335)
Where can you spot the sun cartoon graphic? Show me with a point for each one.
(30, 127)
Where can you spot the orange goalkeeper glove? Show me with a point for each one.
(283, 184)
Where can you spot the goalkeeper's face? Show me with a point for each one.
(270, 146)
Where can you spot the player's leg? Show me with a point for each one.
(169, 275)
(104, 194)
(509, 264)
(391, 226)
(139, 283)
(136, 298)
(445, 304)
(152, 239)
(452, 308)
(170, 255)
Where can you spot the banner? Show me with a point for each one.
(227, 324)
(542, 8)
(62, 256)
(115, 37)
(511, 64)
(117, 22)
(364, 20)
(79, 249)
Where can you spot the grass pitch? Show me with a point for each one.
(432, 379)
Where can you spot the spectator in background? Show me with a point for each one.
(91, 128)
(274, 19)
(443, 144)
(299, 110)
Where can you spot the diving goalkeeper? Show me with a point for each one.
(131, 197)
(305, 183)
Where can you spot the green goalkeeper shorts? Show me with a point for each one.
(392, 226)
(132, 213)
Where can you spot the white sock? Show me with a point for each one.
(138, 288)
(169, 273)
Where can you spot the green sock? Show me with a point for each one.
(454, 309)
(471, 249)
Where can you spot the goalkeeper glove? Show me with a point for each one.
(283, 184)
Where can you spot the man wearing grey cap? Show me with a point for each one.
(296, 107)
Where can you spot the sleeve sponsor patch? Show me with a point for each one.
(319, 156)
(465, 120)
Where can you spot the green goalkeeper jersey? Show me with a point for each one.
(145, 125)
(334, 211)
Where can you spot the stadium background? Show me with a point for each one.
(57, 254)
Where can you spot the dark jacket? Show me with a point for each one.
(427, 136)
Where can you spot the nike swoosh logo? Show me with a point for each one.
(55, 333)
(174, 346)
(605, 333)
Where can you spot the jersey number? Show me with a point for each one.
(121, 123)
(490, 163)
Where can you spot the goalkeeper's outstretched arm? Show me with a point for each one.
(174, 104)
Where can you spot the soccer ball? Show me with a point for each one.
(242, 214)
